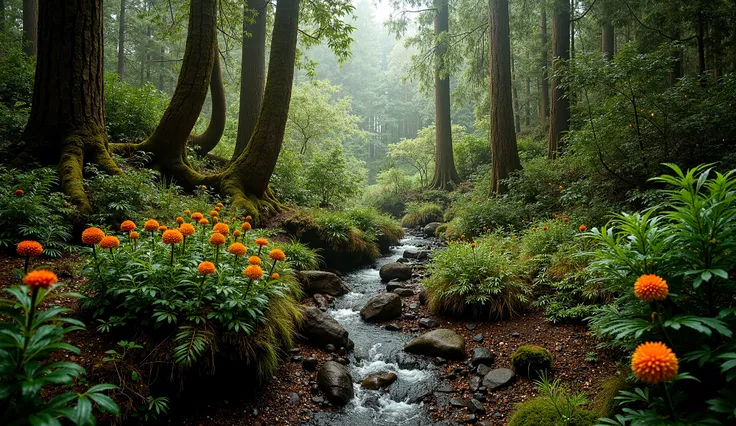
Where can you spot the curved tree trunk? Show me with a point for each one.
(67, 121)
(445, 174)
(504, 152)
(252, 73)
(168, 143)
(246, 180)
(30, 27)
(208, 140)
(560, 114)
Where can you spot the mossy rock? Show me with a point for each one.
(541, 412)
(530, 360)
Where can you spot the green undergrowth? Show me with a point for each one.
(420, 214)
(540, 412)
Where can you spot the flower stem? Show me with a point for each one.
(25, 268)
(272, 268)
(172, 256)
(29, 327)
(668, 399)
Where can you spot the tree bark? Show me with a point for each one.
(607, 33)
(121, 41)
(246, 180)
(515, 91)
(560, 112)
(208, 140)
(168, 143)
(528, 107)
(30, 27)
(252, 73)
(67, 121)
(445, 174)
(504, 152)
(544, 97)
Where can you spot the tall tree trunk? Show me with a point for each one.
(445, 174)
(252, 73)
(246, 180)
(30, 27)
(528, 107)
(121, 41)
(607, 32)
(544, 98)
(67, 121)
(560, 113)
(169, 140)
(504, 152)
(208, 140)
(515, 91)
(701, 46)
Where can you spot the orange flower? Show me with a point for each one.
(151, 225)
(18, 192)
(41, 278)
(277, 254)
(217, 209)
(219, 204)
(92, 236)
(172, 236)
(462, 237)
(163, 228)
(275, 276)
(248, 218)
(179, 220)
(206, 268)
(187, 212)
(564, 219)
(253, 272)
(186, 229)
(215, 219)
(197, 216)
(217, 239)
(134, 235)
(650, 288)
(221, 228)
(203, 221)
(654, 362)
(254, 260)
(236, 233)
(237, 249)
(472, 246)
(261, 242)
(544, 228)
(109, 242)
(29, 248)
(582, 228)
(127, 226)
(246, 226)
(214, 213)
(534, 229)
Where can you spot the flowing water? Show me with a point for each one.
(379, 350)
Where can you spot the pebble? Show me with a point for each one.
(427, 323)
(471, 326)
(515, 334)
(294, 398)
(457, 402)
(330, 348)
(393, 327)
(478, 338)
(310, 364)
(296, 358)
(476, 407)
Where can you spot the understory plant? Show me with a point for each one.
(421, 214)
(29, 336)
(672, 269)
(555, 406)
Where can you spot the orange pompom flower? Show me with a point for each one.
(219, 204)
(134, 235)
(651, 288)
(246, 226)
(237, 249)
(472, 246)
(204, 187)
(221, 228)
(254, 260)
(92, 236)
(127, 226)
(187, 212)
(206, 268)
(18, 192)
(236, 234)
(261, 242)
(215, 219)
(217, 239)
(29, 248)
(203, 221)
(564, 219)
(109, 242)
(186, 229)
(41, 278)
(172, 236)
(254, 272)
(163, 228)
(582, 228)
(534, 229)
(248, 218)
(275, 276)
(654, 362)
(151, 225)
(217, 209)
(179, 220)
(197, 216)
(277, 255)
(214, 213)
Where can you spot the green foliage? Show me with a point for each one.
(301, 256)
(689, 242)
(471, 215)
(480, 281)
(604, 404)
(16, 90)
(28, 338)
(532, 361)
(332, 178)
(471, 152)
(132, 112)
(541, 412)
(41, 213)
(421, 214)
(389, 194)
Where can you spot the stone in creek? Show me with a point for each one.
(441, 342)
(320, 329)
(427, 323)
(431, 228)
(498, 378)
(479, 396)
(378, 380)
(411, 253)
(402, 260)
(391, 271)
(409, 316)
(478, 338)
(294, 398)
(393, 285)
(296, 358)
(310, 364)
(393, 327)
(321, 301)
(482, 356)
(330, 348)
(445, 389)
(458, 402)
(382, 307)
(482, 370)
(423, 254)
(404, 292)
(476, 407)
(322, 282)
(335, 381)
(474, 384)
(422, 296)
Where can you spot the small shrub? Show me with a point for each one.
(333, 178)
(470, 216)
(480, 281)
(131, 112)
(555, 406)
(531, 360)
(420, 214)
(302, 257)
(545, 237)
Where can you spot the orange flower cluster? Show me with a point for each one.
(109, 242)
(92, 236)
(654, 362)
(127, 226)
(277, 254)
(151, 225)
(18, 192)
(254, 260)
(246, 226)
(197, 216)
(41, 278)
(651, 288)
(217, 239)
(237, 249)
(203, 221)
(206, 268)
(221, 228)
(134, 235)
(186, 229)
(219, 205)
(29, 248)
(253, 272)
(172, 236)
(582, 228)
(261, 242)
(275, 276)
(163, 228)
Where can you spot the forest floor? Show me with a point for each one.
(289, 397)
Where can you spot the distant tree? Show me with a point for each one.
(121, 41)
(30, 26)
(331, 178)
(543, 61)
(559, 119)
(417, 153)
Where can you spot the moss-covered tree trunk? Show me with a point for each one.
(208, 140)
(560, 114)
(252, 73)
(30, 27)
(445, 174)
(67, 121)
(246, 180)
(504, 152)
(168, 143)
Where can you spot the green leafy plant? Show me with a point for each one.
(421, 214)
(132, 112)
(555, 406)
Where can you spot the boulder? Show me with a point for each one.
(498, 378)
(322, 282)
(382, 307)
(378, 380)
(395, 270)
(482, 356)
(411, 254)
(431, 228)
(404, 292)
(334, 380)
(320, 329)
(321, 301)
(441, 342)
(393, 285)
